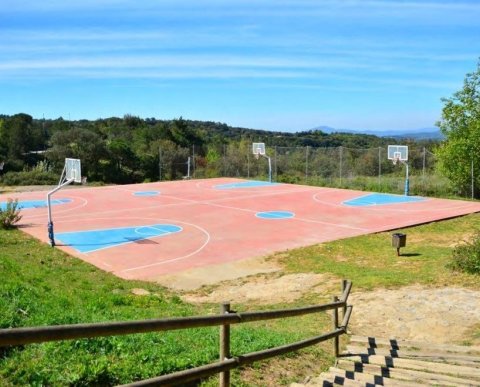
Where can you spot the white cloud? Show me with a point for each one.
(195, 61)
(236, 4)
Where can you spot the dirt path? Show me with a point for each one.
(437, 315)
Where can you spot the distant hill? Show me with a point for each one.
(432, 133)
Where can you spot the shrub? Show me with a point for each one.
(10, 215)
(467, 257)
(33, 177)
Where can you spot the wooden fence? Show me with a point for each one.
(22, 336)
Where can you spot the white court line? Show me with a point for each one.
(383, 208)
(120, 188)
(276, 193)
(165, 232)
(177, 258)
(212, 203)
(190, 202)
(133, 209)
(196, 251)
(109, 228)
(220, 180)
(295, 218)
(60, 212)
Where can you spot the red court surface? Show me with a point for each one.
(218, 225)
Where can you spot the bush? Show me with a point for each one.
(10, 215)
(467, 257)
(40, 174)
(33, 177)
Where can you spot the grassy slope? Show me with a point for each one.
(370, 261)
(41, 286)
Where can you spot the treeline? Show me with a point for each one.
(131, 149)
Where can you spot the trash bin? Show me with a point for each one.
(399, 240)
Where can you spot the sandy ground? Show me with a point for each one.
(214, 274)
(264, 290)
(437, 315)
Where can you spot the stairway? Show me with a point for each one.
(370, 361)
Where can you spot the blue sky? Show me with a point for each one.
(284, 65)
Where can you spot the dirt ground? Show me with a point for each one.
(419, 313)
(437, 315)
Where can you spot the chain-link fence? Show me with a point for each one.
(342, 167)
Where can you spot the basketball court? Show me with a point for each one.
(145, 231)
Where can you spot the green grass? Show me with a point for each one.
(370, 262)
(43, 286)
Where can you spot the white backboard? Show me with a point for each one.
(398, 152)
(73, 170)
(258, 148)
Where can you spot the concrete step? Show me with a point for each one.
(419, 365)
(370, 378)
(327, 379)
(441, 357)
(375, 342)
(370, 361)
(405, 374)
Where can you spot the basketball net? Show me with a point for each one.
(257, 155)
(395, 160)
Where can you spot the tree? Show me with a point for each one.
(80, 144)
(123, 161)
(173, 160)
(3, 144)
(16, 139)
(460, 124)
(184, 135)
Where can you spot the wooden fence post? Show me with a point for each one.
(344, 286)
(336, 340)
(224, 345)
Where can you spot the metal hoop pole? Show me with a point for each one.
(269, 169)
(407, 182)
(51, 235)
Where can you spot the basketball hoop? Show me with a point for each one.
(258, 149)
(72, 173)
(398, 153)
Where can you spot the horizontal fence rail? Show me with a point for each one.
(226, 365)
(22, 336)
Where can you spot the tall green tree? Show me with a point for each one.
(16, 139)
(123, 162)
(80, 144)
(460, 124)
(183, 134)
(3, 145)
